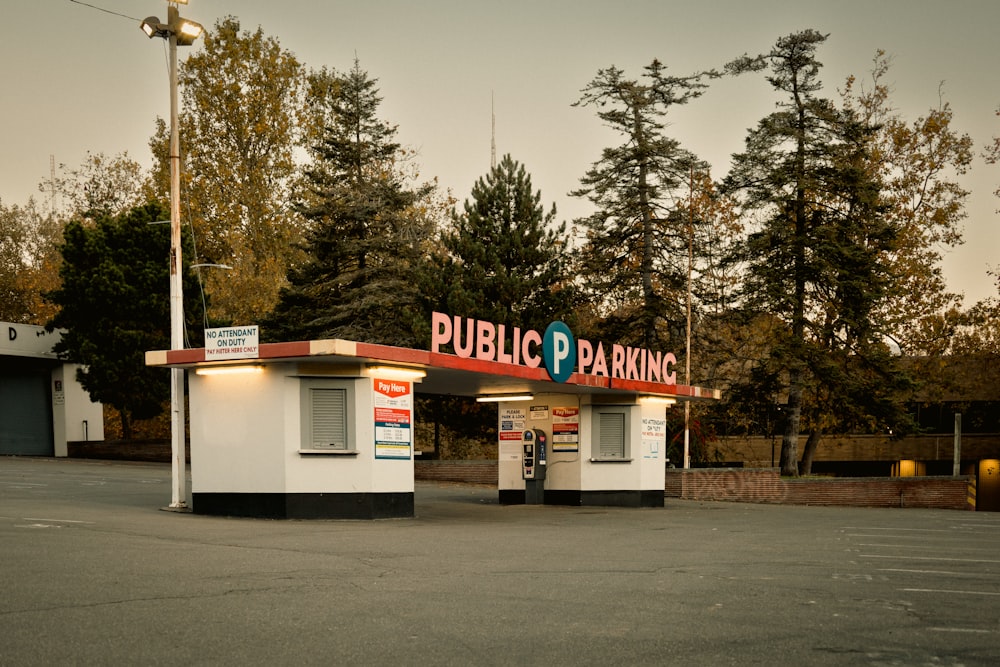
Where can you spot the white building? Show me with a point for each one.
(42, 406)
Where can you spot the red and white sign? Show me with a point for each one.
(393, 418)
(565, 429)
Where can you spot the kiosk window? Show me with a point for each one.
(329, 418)
(611, 431)
(327, 412)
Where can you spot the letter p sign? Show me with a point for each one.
(559, 351)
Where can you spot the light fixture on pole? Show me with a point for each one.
(178, 32)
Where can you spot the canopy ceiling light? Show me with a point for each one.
(229, 370)
(398, 372)
(657, 400)
(498, 398)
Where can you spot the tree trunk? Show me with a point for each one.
(126, 420)
(809, 452)
(790, 440)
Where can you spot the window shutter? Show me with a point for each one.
(612, 435)
(329, 418)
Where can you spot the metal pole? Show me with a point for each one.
(687, 353)
(178, 496)
(956, 468)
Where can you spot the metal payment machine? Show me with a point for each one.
(534, 442)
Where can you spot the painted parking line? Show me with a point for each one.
(963, 546)
(948, 591)
(948, 573)
(935, 558)
(884, 528)
(976, 631)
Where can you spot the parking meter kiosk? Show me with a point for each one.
(533, 450)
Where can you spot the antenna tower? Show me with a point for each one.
(52, 185)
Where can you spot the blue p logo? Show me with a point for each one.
(559, 351)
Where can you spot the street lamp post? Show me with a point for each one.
(176, 31)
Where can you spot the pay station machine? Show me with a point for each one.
(533, 446)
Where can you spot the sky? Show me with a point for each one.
(78, 79)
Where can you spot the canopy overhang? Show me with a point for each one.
(447, 374)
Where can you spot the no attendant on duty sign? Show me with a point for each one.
(232, 343)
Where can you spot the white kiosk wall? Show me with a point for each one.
(262, 445)
(579, 470)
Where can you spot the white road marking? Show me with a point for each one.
(29, 518)
(956, 560)
(919, 530)
(963, 547)
(945, 590)
(979, 631)
(945, 572)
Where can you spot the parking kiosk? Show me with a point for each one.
(324, 428)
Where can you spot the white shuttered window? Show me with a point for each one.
(329, 418)
(611, 433)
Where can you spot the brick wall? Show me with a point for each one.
(767, 486)
(759, 451)
(152, 450)
(475, 472)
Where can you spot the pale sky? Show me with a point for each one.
(76, 79)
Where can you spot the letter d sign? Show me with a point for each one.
(559, 351)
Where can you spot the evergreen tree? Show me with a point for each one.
(505, 258)
(114, 305)
(365, 235)
(817, 259)
(634, 261)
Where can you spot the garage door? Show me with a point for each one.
(25, 414)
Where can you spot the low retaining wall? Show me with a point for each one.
(475, 472)
(746, 485)
(156, 451)
(767, 486)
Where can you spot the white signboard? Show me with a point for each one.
(232, 343)
(654, 437)
(539, 412)
(512, 424)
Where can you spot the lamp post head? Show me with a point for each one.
(153, 28)
(184, 30)
(187, 32)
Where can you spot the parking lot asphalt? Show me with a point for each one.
(92, 571)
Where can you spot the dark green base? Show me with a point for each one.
(305, 505)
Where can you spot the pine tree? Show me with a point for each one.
(365, 237)
(817, 260)
(505, 258)
(634, 261)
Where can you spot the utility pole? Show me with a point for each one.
(687, 353)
